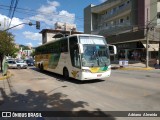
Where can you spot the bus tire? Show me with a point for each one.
(41, 67)
(65, 73)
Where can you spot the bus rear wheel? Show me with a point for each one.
(65, 73)
(41, 67)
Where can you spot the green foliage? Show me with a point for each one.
(24, 47)
(33, 53)
(23, 57)
(7, 45)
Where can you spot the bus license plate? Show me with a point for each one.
(99, 75)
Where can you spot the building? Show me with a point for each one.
(65, 26)
(61, 30)
(123, 23)
(27, 53)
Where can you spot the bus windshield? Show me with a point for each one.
(96, 53)
(95, 56)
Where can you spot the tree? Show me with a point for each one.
(7, 45)
(33, 53)
(24, 47)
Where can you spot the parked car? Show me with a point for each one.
(12, 64)
(17, 64)
(30, 62)
(21, 64)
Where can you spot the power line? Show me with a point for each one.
(13, 12)
(77, 18)
(10, 8)
(34, 12)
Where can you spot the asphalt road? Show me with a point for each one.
(30, 89)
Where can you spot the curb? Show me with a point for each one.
(123, 68)
(6, 76)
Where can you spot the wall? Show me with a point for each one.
(88, 20)
(49, 37)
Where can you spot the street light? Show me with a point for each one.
(30, 24)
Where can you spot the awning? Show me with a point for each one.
(152, 47)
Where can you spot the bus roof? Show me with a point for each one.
(70, 36)
(85, 35)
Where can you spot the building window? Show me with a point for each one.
(111, 12)
(121, 20)
(114, 9)
(127, 18)
(111, 22)
(121, 5)
(106, 12)
(158, 15)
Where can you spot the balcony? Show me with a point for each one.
(118, 12)
(113, 30)
(106, 5)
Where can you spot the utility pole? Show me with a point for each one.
(147, 42)
(159, 53)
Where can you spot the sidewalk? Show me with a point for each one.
(5, 77)
(1, 75)
(133, 66)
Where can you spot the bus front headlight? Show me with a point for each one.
(86, 70)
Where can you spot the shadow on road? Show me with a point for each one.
(57, 102)
(62, 79)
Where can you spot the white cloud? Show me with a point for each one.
(67, 14)
(4, 20)
(53, 3)
(40, 43)
(29, 44)
(49, 8)
(32, 35)
(49, 14)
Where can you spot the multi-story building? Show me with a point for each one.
(124, 23)
(61, 30)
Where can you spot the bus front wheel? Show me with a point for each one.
(65, 73)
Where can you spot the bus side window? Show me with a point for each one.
(64, 45)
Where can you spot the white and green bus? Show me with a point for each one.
(79, 56)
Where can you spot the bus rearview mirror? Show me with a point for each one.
(112, 49)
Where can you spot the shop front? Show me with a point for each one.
(135, 51)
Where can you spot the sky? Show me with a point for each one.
(48, 12)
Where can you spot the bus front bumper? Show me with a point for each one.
(90, 76)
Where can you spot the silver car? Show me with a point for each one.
(12, 64)
(17, 64)
(21, 64)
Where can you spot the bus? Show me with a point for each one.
(79, 56)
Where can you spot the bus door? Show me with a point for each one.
(74, 56)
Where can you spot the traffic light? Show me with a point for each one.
(30, 24)
(37, 25)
